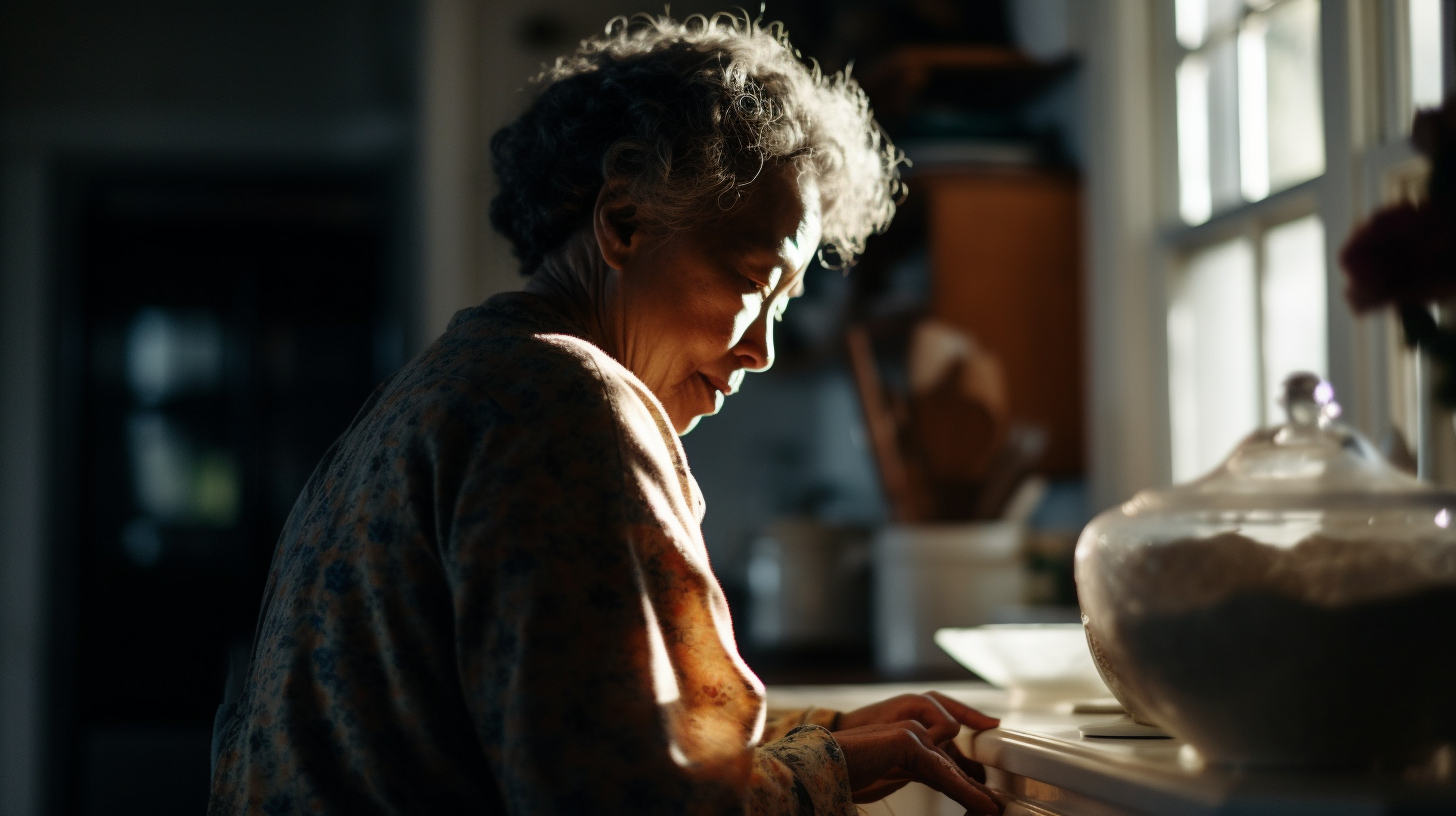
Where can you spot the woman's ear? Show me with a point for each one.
(614, 219)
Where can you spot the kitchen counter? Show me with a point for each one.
(1041, 759)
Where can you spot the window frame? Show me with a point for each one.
(1364, 79)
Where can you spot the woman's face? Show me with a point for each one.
(698, 306)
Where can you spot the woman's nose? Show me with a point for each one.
(755, 350)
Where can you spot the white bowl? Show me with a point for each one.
(1041, 664)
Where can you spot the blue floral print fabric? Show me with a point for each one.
(493, 597)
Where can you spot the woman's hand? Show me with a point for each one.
(941, 716)
(908, 738)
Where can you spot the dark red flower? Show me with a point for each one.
(1405, 254)
(1434, 129)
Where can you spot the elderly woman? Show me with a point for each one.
(493, 595)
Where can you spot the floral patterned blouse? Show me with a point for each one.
(493, 597)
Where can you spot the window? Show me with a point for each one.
(1248, 294)
(1423, 34)
(1242, 317)
(1262, 195)
(1250, 120)
(1210, 286)
(1213, 355)
(1293, 300)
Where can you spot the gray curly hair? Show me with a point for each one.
(686, 114)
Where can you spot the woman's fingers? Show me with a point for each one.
(908, 748)
(964, 713)
(932, 767)
(921, 708)
(972, 768)
(940, 714)
(929, 712)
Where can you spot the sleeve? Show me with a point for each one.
(560, 656)
(801, 773)
(780, 721)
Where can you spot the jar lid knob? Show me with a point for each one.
(1309, 400)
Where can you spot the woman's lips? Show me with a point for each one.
(719, 385)
(718, 390)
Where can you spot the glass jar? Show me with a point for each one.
(1294, 607)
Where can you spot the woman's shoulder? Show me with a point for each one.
(521, 358)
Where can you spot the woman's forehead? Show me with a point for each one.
(779, 214)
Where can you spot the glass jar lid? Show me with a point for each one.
(1310, 462)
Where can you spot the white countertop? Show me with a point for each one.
(1041, 758)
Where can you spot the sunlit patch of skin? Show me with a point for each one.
(689, 312)
(710, 343)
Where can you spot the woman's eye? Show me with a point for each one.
(761, 279)
(753, 283)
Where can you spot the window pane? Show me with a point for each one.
(1223, 15)
(1223, 121)
(1213, 357)
(1191, 21)
(1198, 21)
(1208, 136)
(1195, 199)
(1295, 303)
(1253, 108)
(1425, 53)
(1296, 143)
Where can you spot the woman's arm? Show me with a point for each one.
(588, 657)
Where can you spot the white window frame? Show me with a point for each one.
(1365, 84)
(1134, 237)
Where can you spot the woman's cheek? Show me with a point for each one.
(752, 308)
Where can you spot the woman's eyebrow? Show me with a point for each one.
(766, 251)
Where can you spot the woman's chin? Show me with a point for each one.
(685, 419)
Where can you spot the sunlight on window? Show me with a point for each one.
(1213, 357)
(1191, 21)
(1296, 142)
(1208, 130)
(1294, 304)
(1425, 53)
(1250, 113)
(1195, 196)
(1223, 123)
(1253, 109)
(1198, 21)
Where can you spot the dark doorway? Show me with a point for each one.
(219, 331)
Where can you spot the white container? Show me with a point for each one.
(933, 576)
(1040, 664)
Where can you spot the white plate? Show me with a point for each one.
(1041, 664)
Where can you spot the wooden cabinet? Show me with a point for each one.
(1006, 267)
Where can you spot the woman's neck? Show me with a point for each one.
(577, 282)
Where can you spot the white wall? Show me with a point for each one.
(1127, 399)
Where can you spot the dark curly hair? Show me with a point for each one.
(686, 114)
